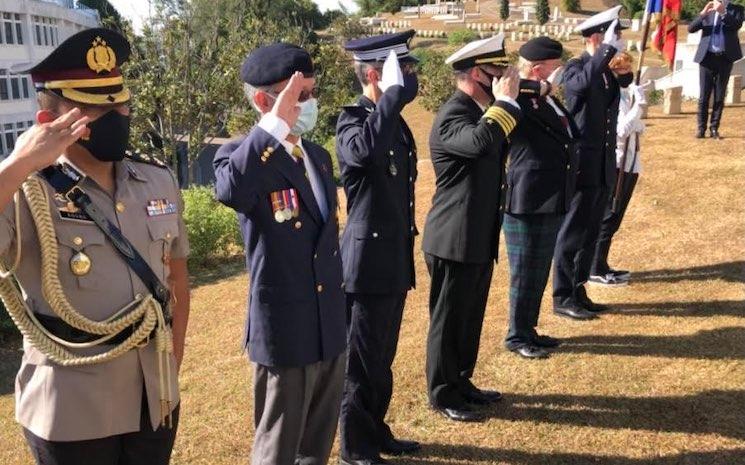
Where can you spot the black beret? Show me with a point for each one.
(274, 63)
(541, 48)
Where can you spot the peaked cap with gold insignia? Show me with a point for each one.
(479, 52)
(85, 68)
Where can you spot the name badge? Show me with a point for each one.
(285, 205)
(68, 211)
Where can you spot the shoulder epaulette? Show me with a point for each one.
(139, 157)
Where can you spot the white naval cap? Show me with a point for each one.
(484, 51)
(600, 22)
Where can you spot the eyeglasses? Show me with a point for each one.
(305, 95)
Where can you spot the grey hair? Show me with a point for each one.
(524, 66)
(250, 92)
(361, 68)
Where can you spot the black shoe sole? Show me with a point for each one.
(570, 317)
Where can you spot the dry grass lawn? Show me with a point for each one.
(658, 380)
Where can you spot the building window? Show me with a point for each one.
(46, 32)
(12, 29)
(10, 133)
(14, 87)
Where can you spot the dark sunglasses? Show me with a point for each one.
(305, 95)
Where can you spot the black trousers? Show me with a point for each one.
(530, 241)
(145, 447)
(575, 244)
(457, 302)
(374, 324)
(714, 71)
(611, 223)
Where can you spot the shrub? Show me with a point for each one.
(504, 9)
(462, 36)
(655, 97)
(435, 78)
(572, 6)
(6, 324)
(212, 227)
(542, 11)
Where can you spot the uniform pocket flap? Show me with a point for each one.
(79, 237)
(162, 230)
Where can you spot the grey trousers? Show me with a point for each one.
(296, 412)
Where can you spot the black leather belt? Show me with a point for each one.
(64, 331)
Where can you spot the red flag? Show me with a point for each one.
(665, 37)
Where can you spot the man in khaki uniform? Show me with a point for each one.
(119, 408)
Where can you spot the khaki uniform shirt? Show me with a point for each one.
(94, 401)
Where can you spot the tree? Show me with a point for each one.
(109, 15)
(571, 6)
(504, 9)
(542, 11)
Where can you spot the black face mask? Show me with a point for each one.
(109, 137)
(487, 88)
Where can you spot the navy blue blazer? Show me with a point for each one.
(731, 24)
(592, 93)
(469, 150)
(377, 160)
(296, 309)
(542, 165)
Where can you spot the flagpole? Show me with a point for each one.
(646, 19)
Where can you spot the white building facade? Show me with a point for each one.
(29, 31)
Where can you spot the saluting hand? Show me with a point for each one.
(709, 7)
(43, 143)
(508, 85)
(286, 106)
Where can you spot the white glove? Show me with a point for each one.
(640, 92)
(555, 77)
(611, 38)
(392, 75)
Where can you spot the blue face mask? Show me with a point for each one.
(307, 119)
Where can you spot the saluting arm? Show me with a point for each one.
(360, 145)
(463, 137)
(578, 77)
(733, 22)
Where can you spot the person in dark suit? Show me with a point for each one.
(282, 188)
(461, 235)
(377, 160)
(541, 178)
(592, 94)
(719, 23)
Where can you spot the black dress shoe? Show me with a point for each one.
(575, 312)
(530, 351)
(464, 413)
(372, 461)
(715, 134)
(400, 446)
(593, 307)
(700, 134)
(546, 341)
(482, 396)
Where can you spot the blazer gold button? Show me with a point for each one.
(335, 253)
(374, 234)
(298, 225)
(270, 149)
(168, 235)
(568, 167)
(390, 152)
(120, 207)
(77, 240)
(320, 288)
(315, 255)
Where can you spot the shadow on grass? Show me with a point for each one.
(10, 360)
(438, 454)
(214, 272)
(734, 308)
(717, 344)
(733, 272)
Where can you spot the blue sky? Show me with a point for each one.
(137, 10)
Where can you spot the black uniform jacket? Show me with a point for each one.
(468, 148)
(543, 159)
(297, 306)
(377, 160)
(592, 94)
(731, 24)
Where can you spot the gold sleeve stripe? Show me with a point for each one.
(503, 117)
